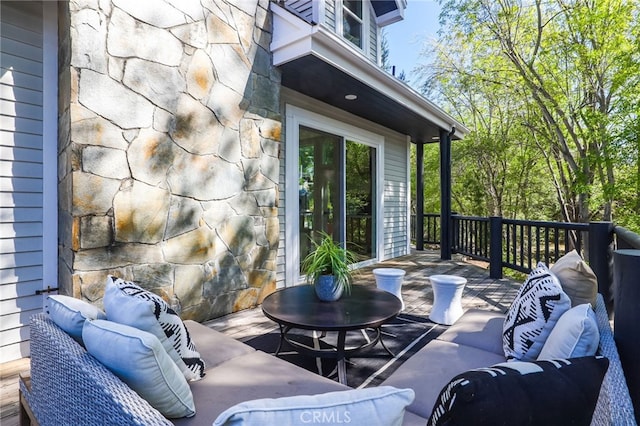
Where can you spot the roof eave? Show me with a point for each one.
(294, 38)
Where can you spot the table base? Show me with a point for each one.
(339, 351)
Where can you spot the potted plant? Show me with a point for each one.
(327, 267)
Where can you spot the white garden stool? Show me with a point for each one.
(390, 279)
(447, 298)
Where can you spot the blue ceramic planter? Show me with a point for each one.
(327, 290)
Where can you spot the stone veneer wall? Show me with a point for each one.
(169, 148)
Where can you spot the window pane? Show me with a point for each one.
(319, 186)
(360, 199)
(355, 6)
(352, 30)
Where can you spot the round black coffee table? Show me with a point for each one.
(299, 308)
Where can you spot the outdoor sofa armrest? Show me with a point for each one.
(69, 386)
(614, 405)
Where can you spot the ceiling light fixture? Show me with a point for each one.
(351, 97)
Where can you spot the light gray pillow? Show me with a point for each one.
(575, 335)
(139, 360)
(70, 313)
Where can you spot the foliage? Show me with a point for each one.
(384, 51)
(328, 257)
(359, 176)
(431, 178)
(550, 90)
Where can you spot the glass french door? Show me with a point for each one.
(336, 191)
(360, 200)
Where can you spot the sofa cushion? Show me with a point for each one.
(128, 303)
(252, 376)
(70, 313)
(138, 359)
(575, 335)
(215, 347)
(383, 406)
(534, 312)
(432, 367)
(477, 328)
(558, 392)
(577, 279)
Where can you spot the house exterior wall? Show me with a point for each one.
(326, 12)
(395, 193)
(374, 31)
(169, 148)
(396, 198)
(330, 19)
(28, 207)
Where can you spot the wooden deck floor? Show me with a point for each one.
(480, 292)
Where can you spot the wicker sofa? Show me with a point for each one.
(69, 386)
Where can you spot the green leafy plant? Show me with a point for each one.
(329, 258)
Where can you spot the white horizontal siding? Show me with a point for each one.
(330, 14)
(26, 288)
(19, 80)
(21, 184)
(395, 198)
(19, 275)
(22, 129)
(373, 36)
(22, 155)
(22, 140)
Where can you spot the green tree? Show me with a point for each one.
(554, 78)
(384, 51)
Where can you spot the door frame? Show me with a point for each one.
(296, 117)
(50, 147)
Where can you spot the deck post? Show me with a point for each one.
(495, 247)
(600, 258)
(445, 195)
(419, 196)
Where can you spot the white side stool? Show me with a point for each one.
(447, 298)
(390, 279)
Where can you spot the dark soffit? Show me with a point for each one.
(384, 7)
(313, 77)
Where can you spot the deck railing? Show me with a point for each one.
(516, 244)
(520, 244)
(626, 239)
(431, 230)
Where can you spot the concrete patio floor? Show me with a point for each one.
(480, 292)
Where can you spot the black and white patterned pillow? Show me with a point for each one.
(535, 310)
(554, 392)
(130, 304)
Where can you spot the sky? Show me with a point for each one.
(420, 22)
